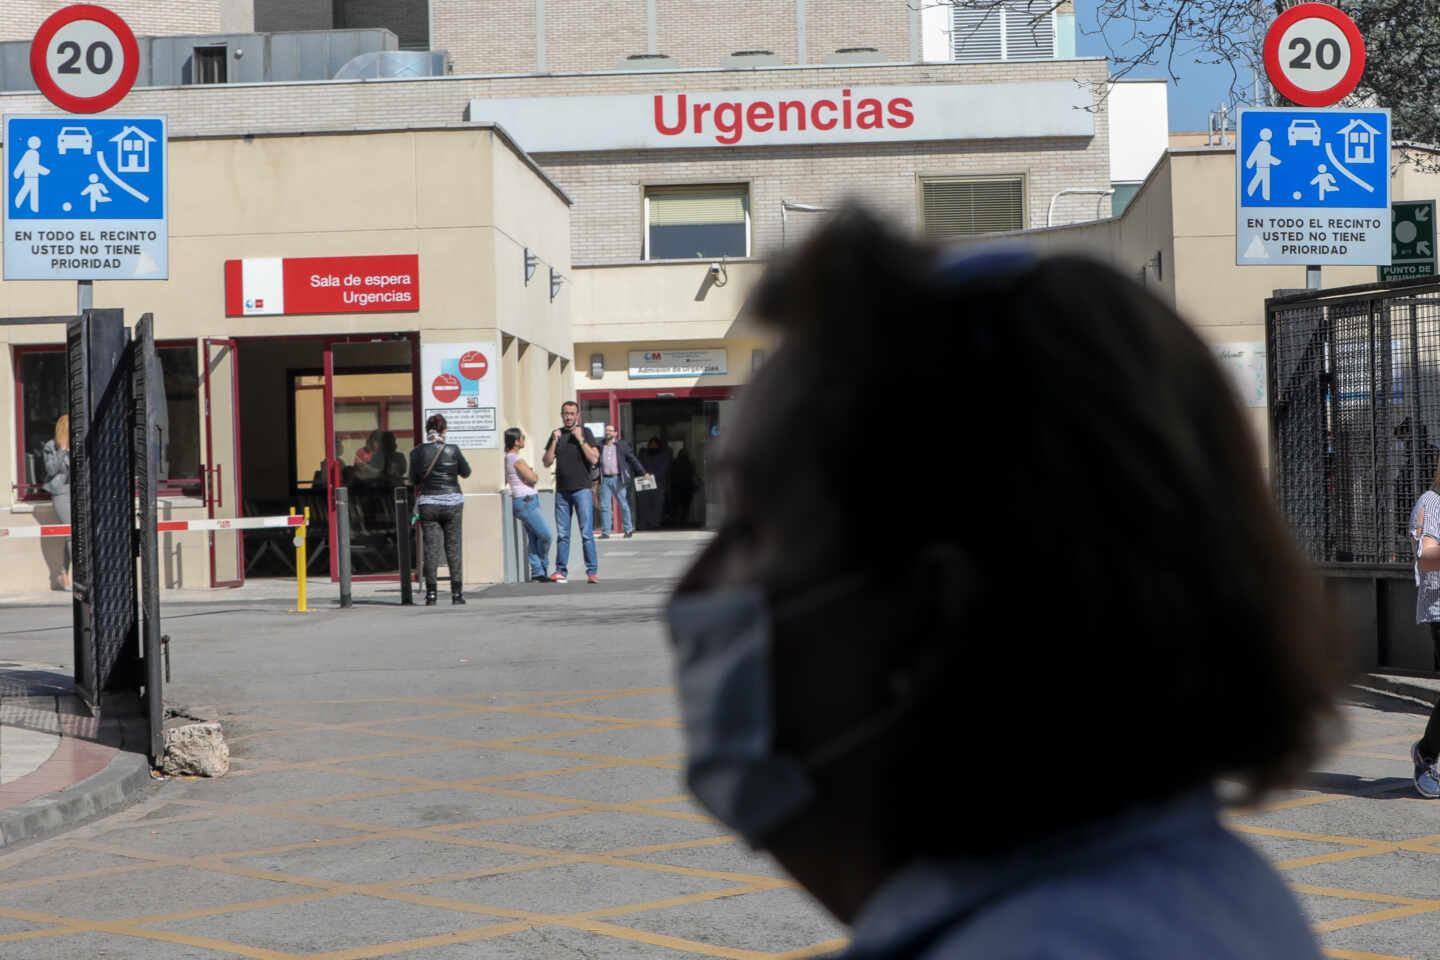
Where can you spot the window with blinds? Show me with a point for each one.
(970, 206)
(697, 222)
(988, 30)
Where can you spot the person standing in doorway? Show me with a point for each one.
(656, 458)
(1425, 536)
(525, 502)
(435, 469)
(618, 468)
(57, 484)
(574, 455)
(682, 487)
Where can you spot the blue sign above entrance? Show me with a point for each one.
(85, 198)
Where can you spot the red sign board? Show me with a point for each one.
(84, 58)
(446, 388)
(1314, 54)
(473, 365)
(273, 286)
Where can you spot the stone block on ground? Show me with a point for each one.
(195, 749)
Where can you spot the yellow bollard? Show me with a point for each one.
(300, 597)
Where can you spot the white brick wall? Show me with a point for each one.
(19, 19)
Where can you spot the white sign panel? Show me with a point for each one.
(85, 198)
(855, 114)
(1244, 364)
(650, 364)
(461, 381)
(1313, 187)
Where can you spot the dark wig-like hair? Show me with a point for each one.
(512, 438)
(1107, 606)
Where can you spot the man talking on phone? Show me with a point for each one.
(573, 453)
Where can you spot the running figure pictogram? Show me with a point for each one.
(97, 192)
(1324, 181)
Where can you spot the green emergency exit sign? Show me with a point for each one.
(1412, 240)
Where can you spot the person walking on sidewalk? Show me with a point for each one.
(821, 674)
(525, 502)
(435, 469)
(1425, 535)
(618, 469)
(57, 484)
(573, 453)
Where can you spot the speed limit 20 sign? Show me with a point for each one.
(84, 58)
(1314, 54)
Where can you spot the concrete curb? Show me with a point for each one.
(121, 780)
(1398, 686)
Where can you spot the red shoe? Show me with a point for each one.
(592, 578)
(558, 578)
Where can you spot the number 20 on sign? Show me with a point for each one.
(84, 58)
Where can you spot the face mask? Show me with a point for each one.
(722, 644)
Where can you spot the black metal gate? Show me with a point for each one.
(1354, 380)
(148, 389)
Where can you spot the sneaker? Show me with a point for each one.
(558, 577)
(604, 536)
(594, 579)
(629, 534)
(1427, 777)
(540, 578)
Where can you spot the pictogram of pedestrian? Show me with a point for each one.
(29, 170)
(1262, 159)
(1324, 181)
(97, 192)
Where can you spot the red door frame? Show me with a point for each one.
(214, 493)
(650, 393)
(333, 466)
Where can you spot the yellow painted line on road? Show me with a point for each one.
(1360, 955)
(1343, 893)
(74, 925)
(668, 847)
(1365, 919)
(684, 900)
(472, 935)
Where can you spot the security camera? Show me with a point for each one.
(715, 268)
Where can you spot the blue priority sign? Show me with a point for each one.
(1312, 186)
(85, 198)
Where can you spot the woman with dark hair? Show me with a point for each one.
(1107, 533)
(1425, 534)
(521, 478)
(435, 469)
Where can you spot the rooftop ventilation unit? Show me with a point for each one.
(855, 55)
(394, 63)
(749, 59)
(647, 61)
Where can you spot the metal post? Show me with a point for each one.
(84, 295)
(403, 534)
(342, 542)
(300, 562)
(1312, 277)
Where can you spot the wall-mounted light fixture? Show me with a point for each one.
(597, 366)
(531, 262)
(555, 281)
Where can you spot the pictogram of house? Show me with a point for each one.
(1359, 141)
(132, 150)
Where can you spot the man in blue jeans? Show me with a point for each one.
(618, 468)
(573, 453)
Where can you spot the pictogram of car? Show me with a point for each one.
(73, 138)
(1304, 130)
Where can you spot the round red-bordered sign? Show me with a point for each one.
(84, 58)
(1314, 54)
(446, 388)
(473, 365)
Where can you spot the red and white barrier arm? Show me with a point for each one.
(164, 526)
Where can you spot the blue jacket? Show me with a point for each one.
(1161, 883)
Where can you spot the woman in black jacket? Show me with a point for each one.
(435, 467)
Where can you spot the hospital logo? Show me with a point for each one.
(258, 304)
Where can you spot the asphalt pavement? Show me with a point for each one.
(502, 780)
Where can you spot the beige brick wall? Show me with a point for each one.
(833, 24)
(497, 36)
(607, 187)
(593, 34)
(702, 33)
(19, 19)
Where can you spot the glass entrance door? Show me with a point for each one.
(370, 429)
